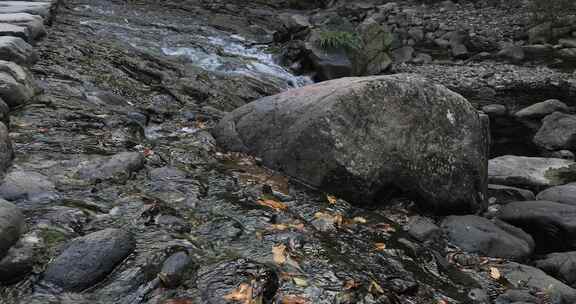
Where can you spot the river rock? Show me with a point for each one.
(551, 224)
(479, 235)
(561, 265)
(11, 226)
(565, 194)
(530, 172)
(6, 151)
(505, 194)
(423, 229)
(31, 7)
(34, 24)
(361, 138)
(558, 132)
(30, 186)
(118, 167)
(17, 86)
(88, 259)
(567, 54)
(14, 30)
(19, 261)
(523, 276)
(174, 268)
(541, 109)
(328, 64)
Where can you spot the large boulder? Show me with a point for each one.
(34, 23)
(476, 234)
(11, 226)
(565, 194)
(17, 85)
(530, 172)
(365, 138)
(88, 259)
(561, 265)
(551, 224)
(558, 132)
(17, 50)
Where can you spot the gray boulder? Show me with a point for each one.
(561, 265)
(565, 194)
(530, 172)
(479, 235)
(17, 86)
(88, 259)
(541, 109)
(523, 276)
(505, 194)
(30, 186)
(118, 167)
(551, 224)
(558, 132)
(14, 30)
(361, 138)
(17, 50)
(11, 226)
(34, 23)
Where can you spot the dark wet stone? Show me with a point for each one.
(495, 110)
(476, 234)
(522, 276)
(4, 113)
(17, 50)
(561, 265)
(30, 186)
(174, 269)
(18, 262)
(558, 132)
(505, 194)
(308, 133)
(216, 281)
(89, 259)
(565, 194)
(515, 296)
(6, 150)
(11, 226)
(173, 223)
(167, 173)
(423, 229)
(118, 167)
(551, 224)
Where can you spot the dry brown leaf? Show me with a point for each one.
(200, 124)
(279, 254)
(259, 235)
(276, 205)
(495, 273)
(375, 288)
(282, 227)
(337, 219)
(359, 220)
(294, 300)
(300, 282)
(351, 284)
(380, 246)
(331, 199)
(241, 294)
(178, 301)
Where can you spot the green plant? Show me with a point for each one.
(332, 40)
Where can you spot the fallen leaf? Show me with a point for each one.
(241, 294)
(294, 300)
(374, 288)
(279, 254)
(178, 301)
(331, 199)
(148, 152)
(495, 273)
(276, 205)
(259, 235)
(336, 219)
(380, 246)
(300, 282)
(283, 227)
(200, 125)
(351, 284)
(359, 220)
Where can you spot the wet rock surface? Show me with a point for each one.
(11, 226)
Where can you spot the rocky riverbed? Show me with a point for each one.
(177, 152)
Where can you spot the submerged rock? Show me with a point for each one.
(88, 259)
(476, 234)
(362, 138)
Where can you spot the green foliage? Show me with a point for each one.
(551, 10)
(332, 40)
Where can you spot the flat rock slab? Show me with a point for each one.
(14, 30)
(530, 172)
(551, 224)
(362, 138)
(479, 235)
(11, 226)
(88, 259)
(34, 23)
(17, 50)
(35, 8)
